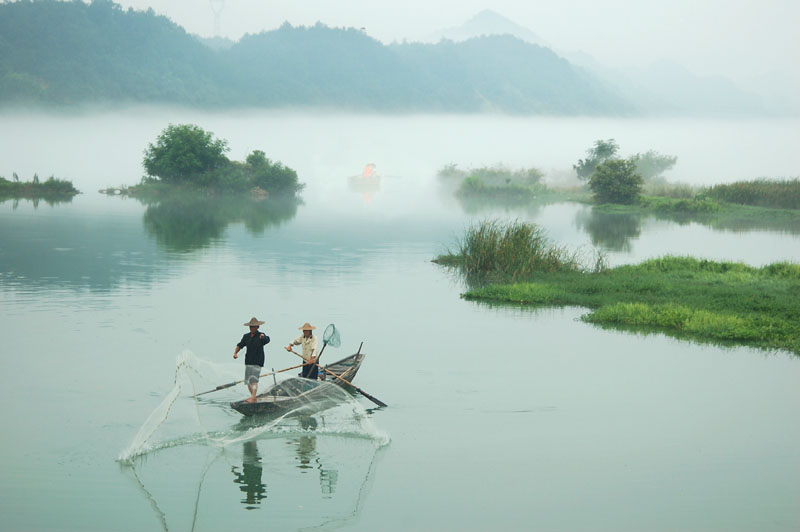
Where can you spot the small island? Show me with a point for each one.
(633, 185)
(51, 190)
(725, 303)
(186, 160)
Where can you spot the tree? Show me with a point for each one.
(652, 164)
(272, 176)
(616, 181)
(183, 153)
(602, 151)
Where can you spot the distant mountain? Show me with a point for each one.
(663, 87)
(65, 53)
(71, 52)
(524, 77)
(489, 22)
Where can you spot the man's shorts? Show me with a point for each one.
(251, 374)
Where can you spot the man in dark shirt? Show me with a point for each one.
(254, 341)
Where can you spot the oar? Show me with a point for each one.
(223, 386)
(359, 390)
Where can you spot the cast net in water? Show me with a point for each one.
(285, 405)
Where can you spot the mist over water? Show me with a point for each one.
(105, 149)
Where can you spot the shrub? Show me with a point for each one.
(272, 176)
(184, 153)
(616, 181)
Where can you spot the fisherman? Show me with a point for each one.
(254, 341)
(309, 343)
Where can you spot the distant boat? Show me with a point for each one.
(297, 392)
(368, 181)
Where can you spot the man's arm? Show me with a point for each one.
(238, 348)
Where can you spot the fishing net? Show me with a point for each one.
(317, 440)
(331, 336)
(285, 405)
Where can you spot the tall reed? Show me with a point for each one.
(492, 250)
(782, 194)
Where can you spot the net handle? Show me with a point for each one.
(330, 333)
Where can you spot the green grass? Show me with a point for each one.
(706, 301)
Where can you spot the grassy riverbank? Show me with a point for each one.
(681, 296)
(702, 300)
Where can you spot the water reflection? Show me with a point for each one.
(308, 458)
(186, 223)
(15, 202)
(611, 231)
(288, 476)
(780, 221)
(616, 231)
(249, 479)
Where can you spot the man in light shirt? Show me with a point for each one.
(309, 343)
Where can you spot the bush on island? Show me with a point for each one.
(186, 154)
(616, 181)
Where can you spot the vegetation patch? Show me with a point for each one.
(492, 251)
(187, 157)
(501, 185)
(707, 301)
(474, 187)
(775, 193)
(49, 189)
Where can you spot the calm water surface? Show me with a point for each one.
(500, 418)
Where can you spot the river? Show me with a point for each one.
(499, 418)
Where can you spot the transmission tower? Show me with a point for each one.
(216, 7)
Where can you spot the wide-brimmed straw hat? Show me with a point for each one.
(307, 327)
(253, 322)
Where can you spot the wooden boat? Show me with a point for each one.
(296, 392)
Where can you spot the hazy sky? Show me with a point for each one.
(741, 39)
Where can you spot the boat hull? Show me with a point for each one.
(298, 393)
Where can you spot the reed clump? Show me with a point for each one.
(773, 193)
(495, 251)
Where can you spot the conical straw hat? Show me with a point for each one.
(307, 327)
(253, 322)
